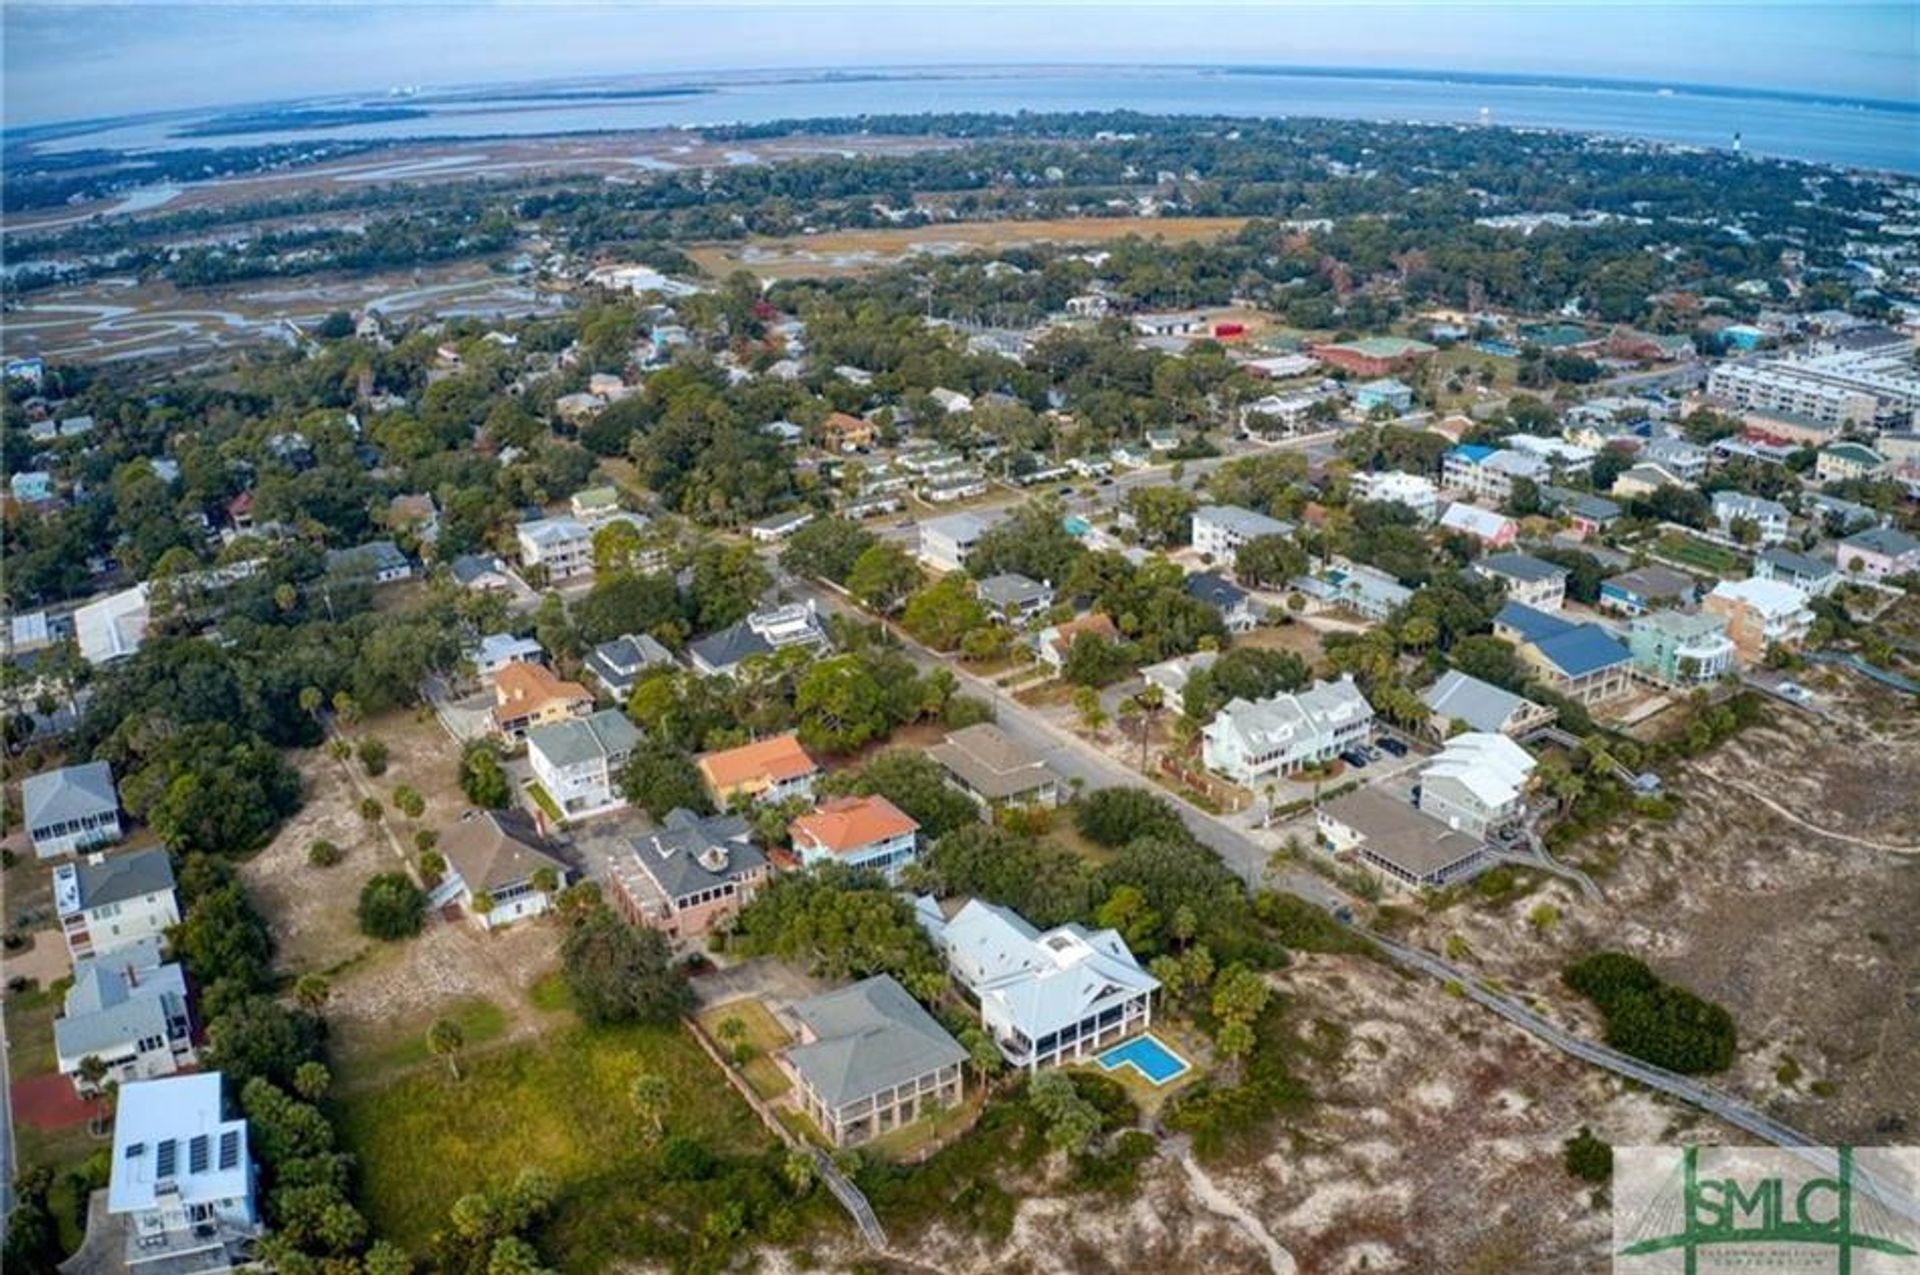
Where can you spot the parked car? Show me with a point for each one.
(1795, 692)
(1354, 759)
(1394, 746)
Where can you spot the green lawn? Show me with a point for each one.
(558, 1104)
(764, 1036)
(30, 1016)
(479, 1020)
(1700, 554)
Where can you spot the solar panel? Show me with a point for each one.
(229, 1148)
(197, 1154)
(165, 1156)
(137, 1149)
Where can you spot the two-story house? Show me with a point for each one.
(1760, 614)
(1478, 782)
(767, 770)
(562, 546)
(860, 832)
(182, 1177)
(106, 905)
(577, 762)
(1219, 530)
(129, 1011)
(1253, 741)
(689, 875)
(1532, 581)
(70, 809)
(870, 1060)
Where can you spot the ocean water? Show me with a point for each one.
(1848, 134)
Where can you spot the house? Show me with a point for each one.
(1458, 699)
(1251, 742)
(870, 1060)
(1056, 641)
(1759, 615)
(1219, 530)
(617, 665)
(1809, 575)
(594, 505)
(1014, 598)
(946, 542)
(784, 432)
(1414, 491)
(181, 1177)
(988, 765)
(1878, 553)
(1172, 323)
(112, 627)
(1586, 513)
(689, 876)
(778, 527)
(497, 651)
(950, 401)
(129, 1011)
(480, 572)
(1685, 461)
(529, 695)
(415, 515)
(1646, 588)
(1488, 473)
(1394, 395)
(1680, 648)
(378, 560)
(1841, 461)
(31, 487)
(563, 547)
(1172, 676)
(1840, 517)
(1644, 480)
(1162, 440)
(70, 809)
(1583, 662)
(1478, 782)
(767, 770)
(760, 634)
(1045, 998)
(1397, 841)
(1496, 531)
(108, 905)
(1237, 609)
(1366, 591)
(1769, 517)
(577, 762)
(1528, 580)
(497, 864)
(842, 432)
(860, 832)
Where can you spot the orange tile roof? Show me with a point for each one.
(847, 823)
(1097, 624)
(525, 687)
(767, 761)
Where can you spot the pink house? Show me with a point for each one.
(1495, 531)
(1878, 553)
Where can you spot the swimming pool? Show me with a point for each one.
(1146, 1055)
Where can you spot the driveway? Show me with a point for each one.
(774, 981)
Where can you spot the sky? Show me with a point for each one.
(91, 60)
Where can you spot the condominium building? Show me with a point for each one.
(1250, 741)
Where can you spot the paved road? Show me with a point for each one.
(1074, 758)
(6, 1130)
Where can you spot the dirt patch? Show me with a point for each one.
(853, 251)
(1811, 942)
(48, 1102)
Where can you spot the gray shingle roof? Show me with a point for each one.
(869, 1037)
(570, 743)
(123, 877)
(729, 647)
(1522, 566)
(494, 849)
(1481, 705)
(691, 854)
(72, 792)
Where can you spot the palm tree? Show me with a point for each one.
(733, 1030)
(311, 991)
(93, 1070)
(650, 1097)
(446, 1040)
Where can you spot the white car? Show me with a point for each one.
(1795, 692)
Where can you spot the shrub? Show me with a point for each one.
(1589, 1158)
(482, 779)
(370, 809)
(323, 853)
(391, 907)
(1654, 1021)
(1115, 816)
(373, 756)
(408, 801)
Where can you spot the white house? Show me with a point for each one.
(1250, 742)
(1769, 516)
(1478, 782)
(497, 650)
(946, 542)
(73, 808)
(106, 905)
(1219, 530)
(114, 626)
(181, 1176)
(1414, 491)
(498, 854)
(578, 762)
(1489, 528)
(950, 401)
(129, 1010)
(1045, 998)
(1528, 580)
(564, 546)
(860, 832)
(778, 527)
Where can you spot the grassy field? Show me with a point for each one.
(852, 251)
(559, 1105)
(1701, 555)
(764, 1035)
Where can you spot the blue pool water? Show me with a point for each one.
(1146, 1055)
(1076, 525)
